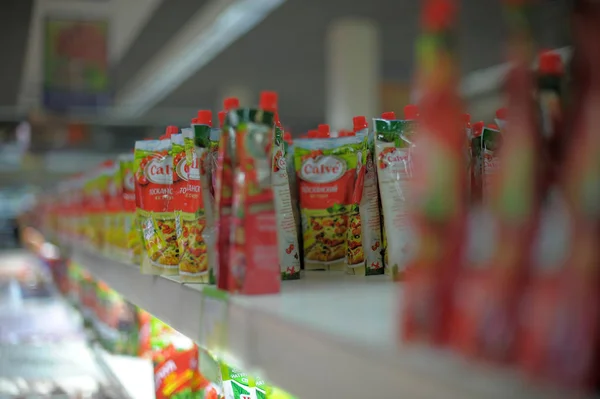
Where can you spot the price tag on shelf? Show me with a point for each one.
(213, 319)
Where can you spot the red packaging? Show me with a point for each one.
(114, 207)
(560, 343)
(224, 195)
(438, 184)
(254, 261)
(490, 288)
(476, 170)
(154, 200)
(468, 151)
(145, 333)
(176, 371)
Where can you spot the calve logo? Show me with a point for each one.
(281, 163)
(323, 169)
(188, 172)
(158, 171)
(396, 162)
(395, 157)
(490, 163)
(128, 181)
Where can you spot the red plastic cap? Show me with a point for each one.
(478, 128)
(231, 103)
(466, 118)
(411, 112)
(204, 117)
(390, 116)
(268, 101)
(171, 130)
(222, 115)
(277, 120)
(323, 129)
(550, 63)
(502, 113)
(287, 136)
(313, 134)
(359, 123)
(493, 126)
(438, 14)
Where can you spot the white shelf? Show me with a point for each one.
(135, 374)
(325, 336)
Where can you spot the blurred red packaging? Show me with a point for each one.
(490, 287)
(561, 323)
(438, 186)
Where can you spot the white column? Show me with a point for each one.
(353, 71)
(246, 96)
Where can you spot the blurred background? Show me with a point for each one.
(80, 80)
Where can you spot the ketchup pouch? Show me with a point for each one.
(254, 247)
(223, 201)
(393, 151)
(200, 146)
(370, 215)
(131, 249)
(289, 257)
(327, 177)
(154, 201)
(189, 213)
(116, 237)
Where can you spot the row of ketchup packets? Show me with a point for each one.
(205, 204)
(197, 202)
(512, 277)
(216, 205)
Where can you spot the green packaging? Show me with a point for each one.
(237, 384)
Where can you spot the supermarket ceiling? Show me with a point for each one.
(275, 44)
